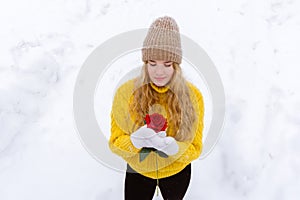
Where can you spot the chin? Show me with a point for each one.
(160, 84)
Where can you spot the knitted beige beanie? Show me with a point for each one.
(163, 41)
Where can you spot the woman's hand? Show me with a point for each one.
(168, 145)
(147, 137)
(142, 137)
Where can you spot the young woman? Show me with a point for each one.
(160, 89)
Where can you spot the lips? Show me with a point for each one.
(159, 79)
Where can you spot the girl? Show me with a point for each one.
(158, 158)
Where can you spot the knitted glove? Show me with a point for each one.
(168, 145)
(142, 137)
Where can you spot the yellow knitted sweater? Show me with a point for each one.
(121, 145)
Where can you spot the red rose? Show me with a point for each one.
(156, 122)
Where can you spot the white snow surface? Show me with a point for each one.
(254, 45)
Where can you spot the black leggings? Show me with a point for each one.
(139, 187)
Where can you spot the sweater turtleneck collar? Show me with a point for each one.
(162, 89)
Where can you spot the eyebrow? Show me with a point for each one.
(164, 62)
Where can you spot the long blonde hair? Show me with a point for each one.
(180, 108)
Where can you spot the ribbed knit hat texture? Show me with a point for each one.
(163, 41)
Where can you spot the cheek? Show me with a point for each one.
(150, 72)
(170, 72)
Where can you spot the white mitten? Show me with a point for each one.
(168, 145)
(142, 137)
(162, 133)
(158, 140)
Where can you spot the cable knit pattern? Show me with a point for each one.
(121, 123)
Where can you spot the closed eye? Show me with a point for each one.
(166, 64)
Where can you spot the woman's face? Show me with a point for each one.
(160, 71)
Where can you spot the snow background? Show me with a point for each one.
(254, 45)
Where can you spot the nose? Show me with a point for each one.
(159, 70)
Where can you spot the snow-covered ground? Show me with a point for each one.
(254, 45)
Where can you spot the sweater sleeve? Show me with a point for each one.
(119, 141)
(189, 151)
